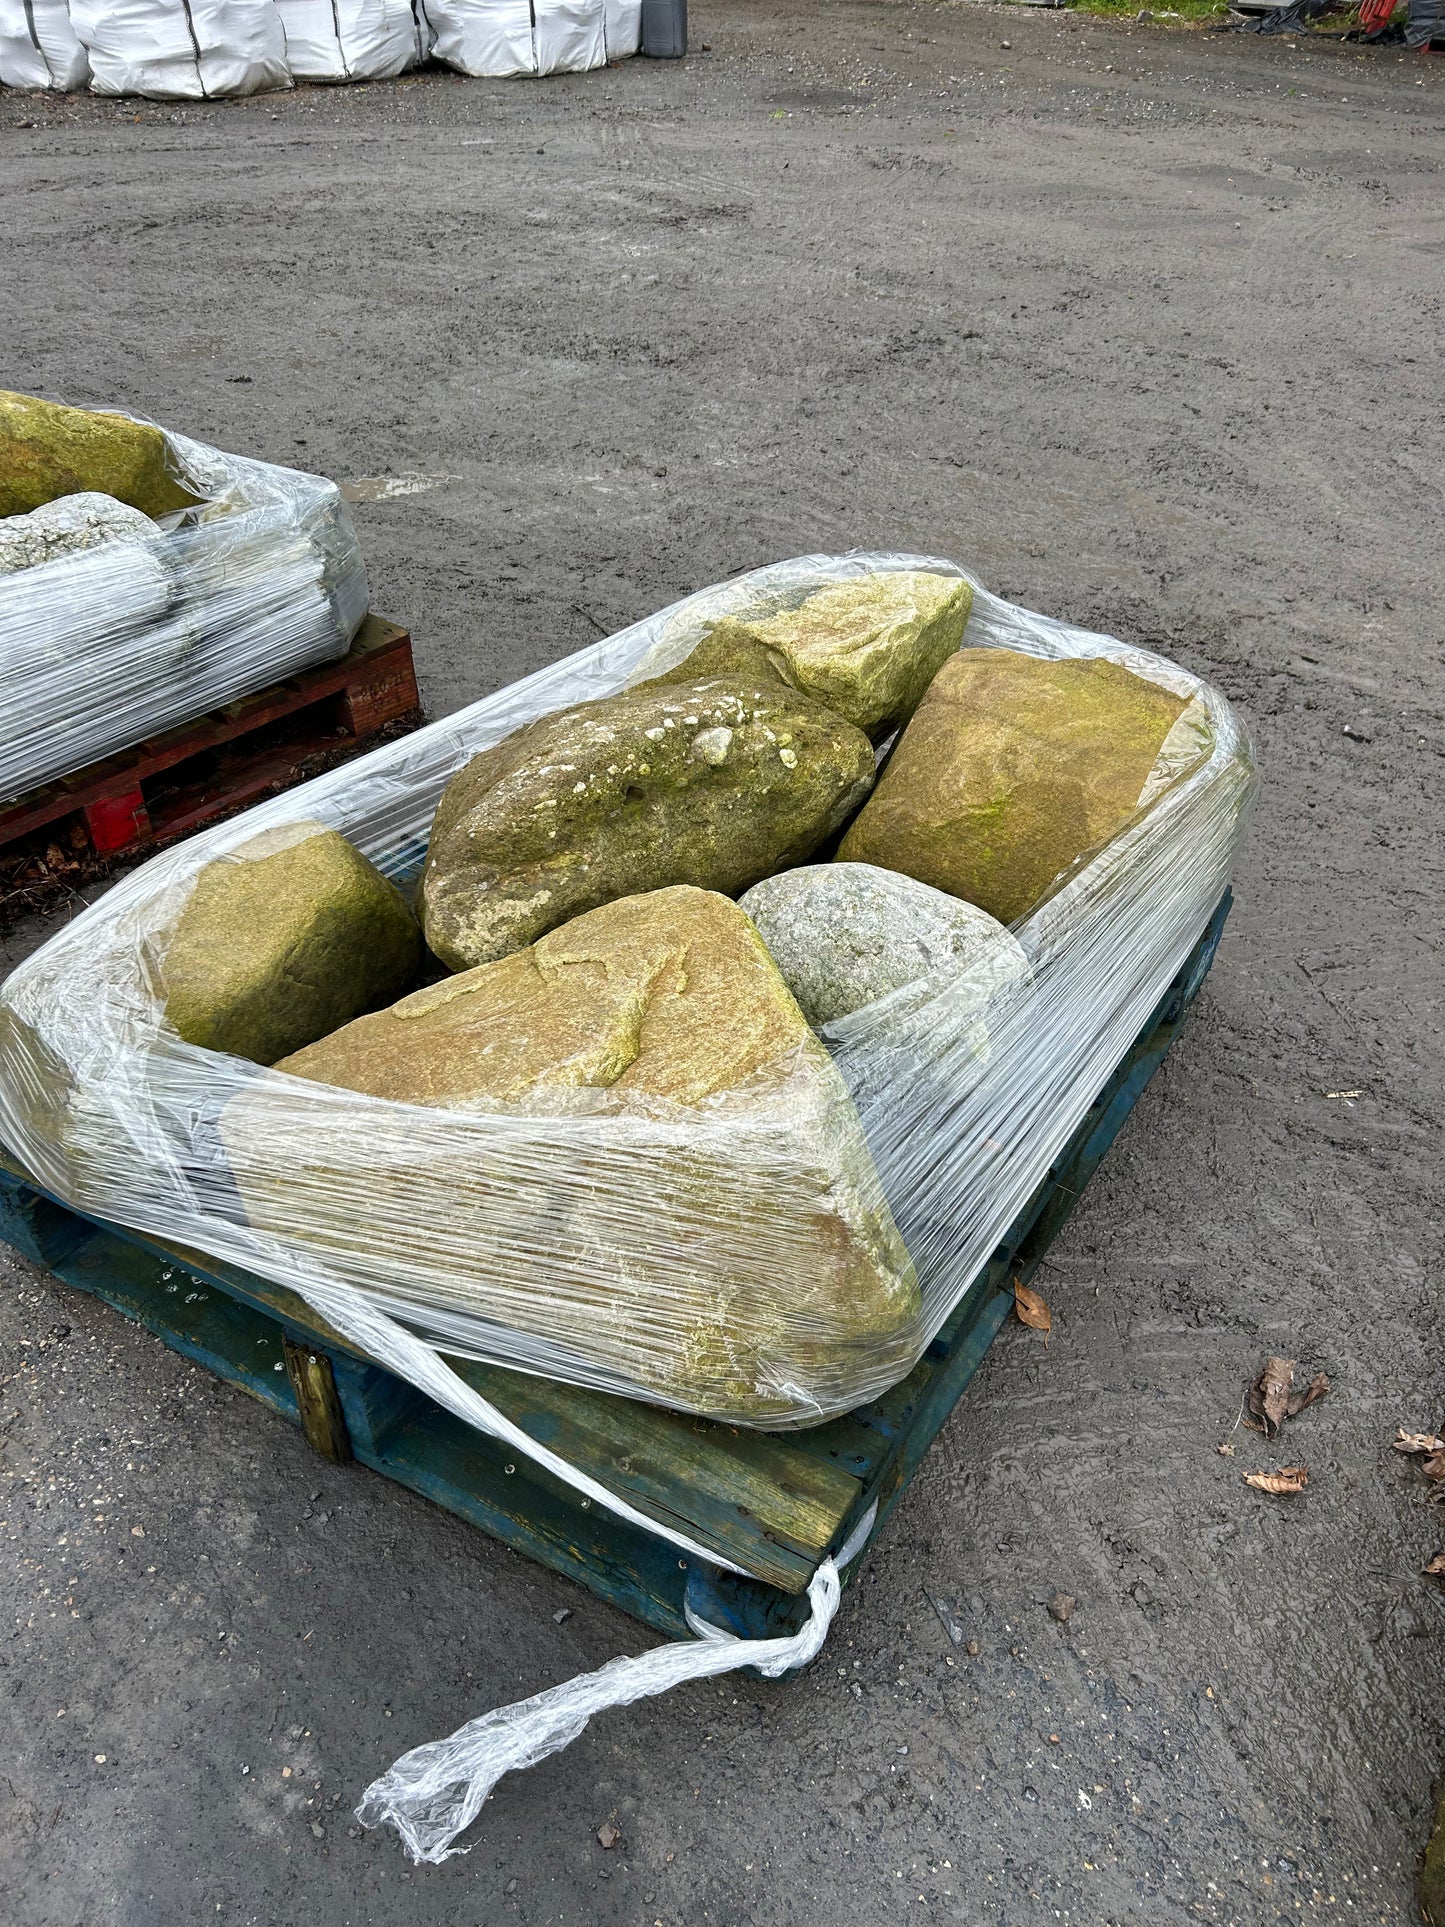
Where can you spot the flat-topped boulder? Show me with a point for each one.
(283, 939)
(714, 781)
(1012, 769)
(696, 1194)
(47, 450)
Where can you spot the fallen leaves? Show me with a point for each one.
(1272, 1397)
(1436, 1567)
(1031, 1309)
(1430, 1449)
(1283, 1484)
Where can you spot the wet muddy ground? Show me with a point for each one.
(1144, 326)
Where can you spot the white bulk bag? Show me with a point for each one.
(498, 38)
(353, 39)
(182, 49)
(39, 52)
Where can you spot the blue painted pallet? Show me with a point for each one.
(773, 1503)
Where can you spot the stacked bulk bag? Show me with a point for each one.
(353, 39)
(499, 38)
(182, 49)
(39, 52)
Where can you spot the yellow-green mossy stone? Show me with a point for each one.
(715, 781)
(282, 940)
(48, 450)
(868, 646)
(1013, 767)
(693, 1205)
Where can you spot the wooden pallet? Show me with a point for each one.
(171, 784)
(774, 1503)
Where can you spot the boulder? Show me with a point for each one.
(1013, 768)
(691, 1205)
(714, 781)
(868, 646)
(845, 935)
(47, 450)
(67, 526)
(283, 939)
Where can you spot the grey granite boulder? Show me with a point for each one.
(68, 525)
(847, 934)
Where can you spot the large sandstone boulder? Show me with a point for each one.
(1013, 768)
(48, 450)
(845, 935)
(714, 781)
(283, 939)
(68, 526)
(868, 646)
(690, 1202)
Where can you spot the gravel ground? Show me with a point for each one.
(1145, 326)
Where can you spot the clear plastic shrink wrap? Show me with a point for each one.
(597, 1242)
(160, 621)
(694, 1253)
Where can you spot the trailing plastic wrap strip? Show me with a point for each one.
(102, 648)
(39, 52)
(597, 1246)
(435, 1792)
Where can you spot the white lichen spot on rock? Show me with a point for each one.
(712, 745)
(788, 758)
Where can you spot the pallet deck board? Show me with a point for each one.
(774, 1503)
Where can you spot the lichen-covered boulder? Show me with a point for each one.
(845, 935)
(283, 939)
(1013, 767)
(713, 781)
(67, 526)
(867, 646)
(693, 1203)
(47, 450)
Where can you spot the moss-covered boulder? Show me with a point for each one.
(692, 1206)
(868, 647)
(714, 781)
(47, 450)
(1013, 767)
(282, 940)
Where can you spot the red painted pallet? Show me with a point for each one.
(171, 784)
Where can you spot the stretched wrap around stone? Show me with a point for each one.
(48, 450)
(768, 1260)
(286, 937)
(1013, 767)
(714, 781)
(68, 526)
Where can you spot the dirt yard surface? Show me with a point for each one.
(1145, 326)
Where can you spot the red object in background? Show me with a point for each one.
(1376, 14)
(115, 822)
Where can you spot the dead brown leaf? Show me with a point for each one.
(1288, 1480)
(1316, 1389)
(1434, 1466)
(1417, 1441)
(1269, 1396)
(1436, 1566)
(1031, 1309)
